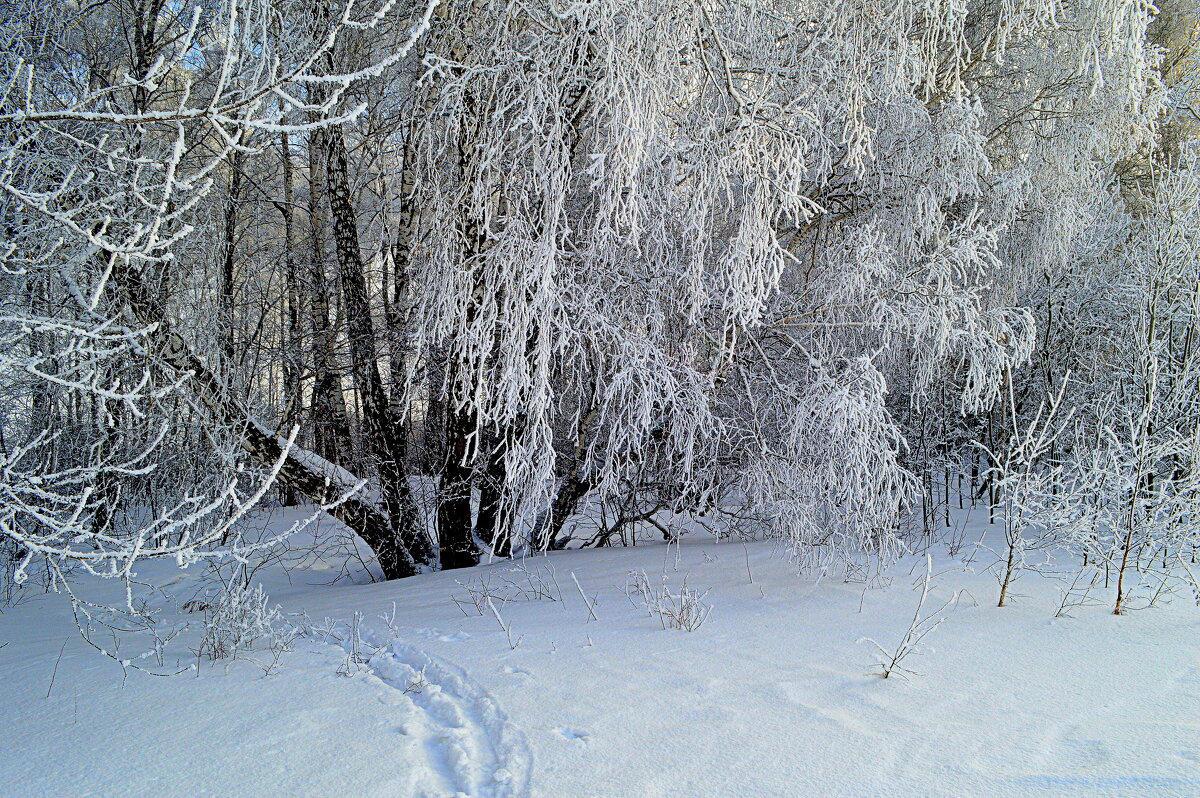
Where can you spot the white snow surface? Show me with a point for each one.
(775, 695)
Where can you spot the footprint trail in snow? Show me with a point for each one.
(471, 747)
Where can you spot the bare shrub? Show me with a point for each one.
(684, 609)
(238, 620)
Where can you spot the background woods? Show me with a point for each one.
(486, 278)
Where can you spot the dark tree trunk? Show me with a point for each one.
(228, 261)
(292, 393)
(331, 426)
(385, 438)
(435, 413)
(456, 538)
(493, 526)
(574, 486)
(566, 501)
(396, 303)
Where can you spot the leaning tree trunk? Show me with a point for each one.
(304, 471)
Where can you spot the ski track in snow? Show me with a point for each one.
(472, 747)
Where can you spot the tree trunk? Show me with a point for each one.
(331, 426)
(573, 487)
(433, 424)
(401, 262)
(307, 473)
(493, 526)
(456, 538)
(566, 501)
(228, 261)
(293, 396)
(385, 439)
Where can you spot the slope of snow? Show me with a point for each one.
(775, 695)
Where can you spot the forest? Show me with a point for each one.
(485, 281)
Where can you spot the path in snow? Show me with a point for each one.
(471, 747)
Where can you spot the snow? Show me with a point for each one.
(776, 694)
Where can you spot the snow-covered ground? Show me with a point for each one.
(777, 694)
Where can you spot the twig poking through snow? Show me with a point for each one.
(917, 630)
(54, 673)
(506, 627)
(589, 603)
(417, 684)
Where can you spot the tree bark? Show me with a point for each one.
(493, 525)
(331, 426)
(293, 396)
(385, 438)
(574, 485)
(228, 261)
(456, 539)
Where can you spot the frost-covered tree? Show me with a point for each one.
(118, 120)
(643, 259)
(1135, 460)
(711, 239)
